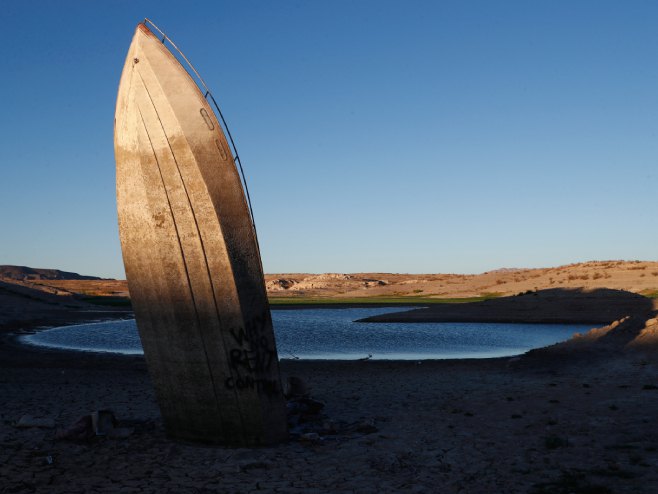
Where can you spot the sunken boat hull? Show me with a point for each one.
(191, 258)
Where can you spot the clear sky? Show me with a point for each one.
(396, 136)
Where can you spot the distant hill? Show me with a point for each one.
(26, 273)
(634, 276)
(639, 277)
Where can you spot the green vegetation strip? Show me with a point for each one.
(401, 300)
(377, 300)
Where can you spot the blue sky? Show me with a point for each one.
(400, 136)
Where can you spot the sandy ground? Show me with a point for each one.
(556, 305)
(562, 420)
(634, 276)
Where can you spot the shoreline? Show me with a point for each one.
(566, 418)
(472, 425)
(557, 306)
(18, 338)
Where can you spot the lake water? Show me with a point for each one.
(332, 334)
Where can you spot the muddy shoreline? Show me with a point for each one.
(571, 418)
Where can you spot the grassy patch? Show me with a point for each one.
(379, 300)
(650, 293)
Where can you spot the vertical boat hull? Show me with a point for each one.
(191, 258)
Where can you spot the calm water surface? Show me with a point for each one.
(332, 334)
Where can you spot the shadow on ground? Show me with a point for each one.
(556, 305)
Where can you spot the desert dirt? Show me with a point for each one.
(576, 417)
(567, 421)
(634, 276)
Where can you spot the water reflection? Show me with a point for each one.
(332, 334)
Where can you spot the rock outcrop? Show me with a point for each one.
(27, 273)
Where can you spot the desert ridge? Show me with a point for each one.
(639, 277)
(634, 276)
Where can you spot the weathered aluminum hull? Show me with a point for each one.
(191, 258)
